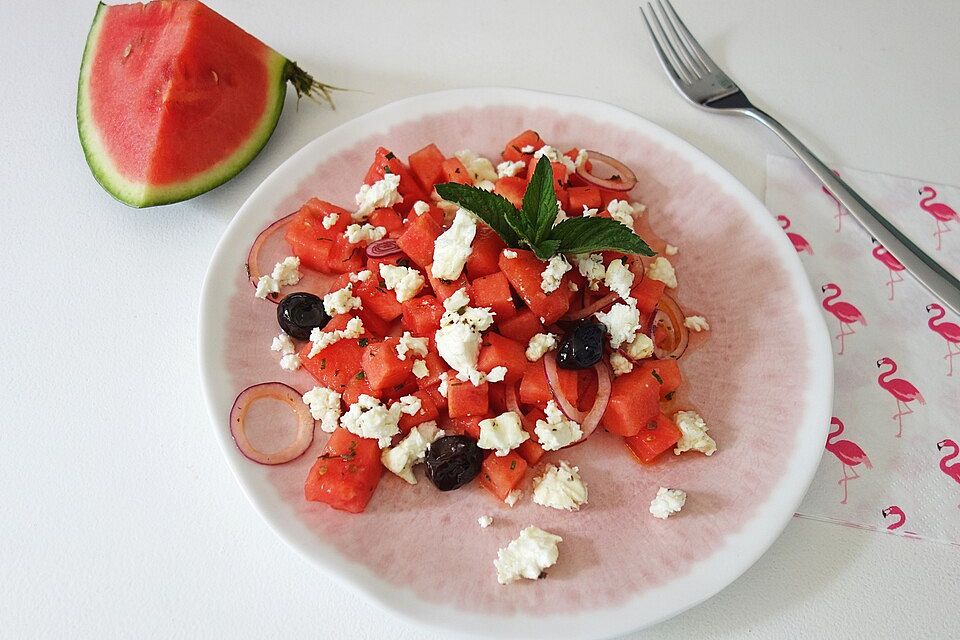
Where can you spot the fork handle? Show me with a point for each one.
(934, 277)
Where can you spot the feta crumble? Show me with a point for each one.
(527, 556)
(661, 269)
(265, 286)
(420, 207)
(508, 169)
(406, 282)
(380, 194)
(671, 250)
(588, 212)
(619, 278)
(324, 406)
(591, 267)
(527, 149)
(497, 374)
(290, 361)
(368, 418)
(556, 431)
(696, 323)
(341, 301)
(452, 247)
(502, 433)
(554, 155)
(620, 364)
(420, 369)
(667, 502)
(356, 233)
(444, 382)
(509, 254)
(560, 488)
(286, 272)
(410, 451)
(410, 405)
(640, 347)
(486, 185)
(693, 434)
(553, 274)
(539, 345)
(330, 219)
(513, 497)
(484, 521)
(480, 168)
(622, 322)
(283, 344)
(458, 339)
(416, 346)
(323, 339)
(621, 211)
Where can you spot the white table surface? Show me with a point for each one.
(118, 515)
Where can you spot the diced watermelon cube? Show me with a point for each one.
(465, 399)
(513, 150)
(427, 166)
(521, 327)
(655, 437)
(524, 273)
(501, 474)
(493, 291)
(346, 474)
(418, 240)
(382, 367)
(454, 171)
(485, 255)
(497, 350)
(421, 315)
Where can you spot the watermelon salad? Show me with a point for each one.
(477, 319)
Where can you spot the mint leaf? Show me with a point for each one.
(547, 249)
(585, 235)
(540, 202)
(493, 209)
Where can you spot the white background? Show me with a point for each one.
(118, 517)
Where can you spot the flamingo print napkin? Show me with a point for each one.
(892, 462)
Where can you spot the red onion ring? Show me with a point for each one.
(550, 364)
(383, 247)
(275, 391)
(627, 179)
(592, 419)
(670, 312)
(253, 265)
(593, 307)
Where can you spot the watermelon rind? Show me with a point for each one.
(143, 194)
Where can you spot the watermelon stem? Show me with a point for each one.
(305, 85)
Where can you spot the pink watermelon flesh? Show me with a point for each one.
(174, 99)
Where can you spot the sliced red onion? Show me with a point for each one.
(569, 410)
(253, 264)
(595, 306)
(510, 398)
(669, 312)
(592, 419)
(383, 247)
(273, 391)
(626, 178)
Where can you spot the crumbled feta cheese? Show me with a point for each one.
(573, 286)
(330, 219)
(497, 374)
(560, 488)
(406, 282)
(620, 364)
(539, 345)
(509, 254)
(458, 311)
(324, 406)
(508, 169)
(283, 344)
(456, 301)
(527, 149)
(671, 250)
(513, 497)
(410, 451)
(380, 194)
(420, 207)
(527, 556)
(420, 369)
(265, 286)
(410, 405)
(459, 345)
(553, 274)
(693, 434)
(407, 343)
(556, 431)
(561, 214)
(696, 323)
(667, 502)
(621, 211)
(588, 212)
(480, 168)
(622, 322)
(581, 158)
(640, 347)
(486, 185)
(619, 278)
(502, 433)
(661, 269)
(591, 267)
(287, 271)
(442, 387)
(290, 362)
(323, 339)
(484, 521)
(368, 418)
(357, 233)
(452, 248)
(554, 155)
(361, 276)
(341, 301)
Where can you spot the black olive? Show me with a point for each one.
(583, 347)
(300, 312)
(453, 461)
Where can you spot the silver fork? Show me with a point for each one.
(698, 78)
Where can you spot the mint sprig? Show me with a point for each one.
(533, 226)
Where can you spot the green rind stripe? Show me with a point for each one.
(143, 194)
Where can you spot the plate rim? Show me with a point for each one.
(596, 622)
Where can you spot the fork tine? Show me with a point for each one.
(691, 42)
(694, 64)
(672, 62)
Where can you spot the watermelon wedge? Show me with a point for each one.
(174, 99)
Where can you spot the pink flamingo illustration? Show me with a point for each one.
(894, 510)
(953, 469)
(940, 212)
(848, 453)
(840, 210)
(902, 391)
(845, 313)
(949, 331)
(894, 266)
(799, 242)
